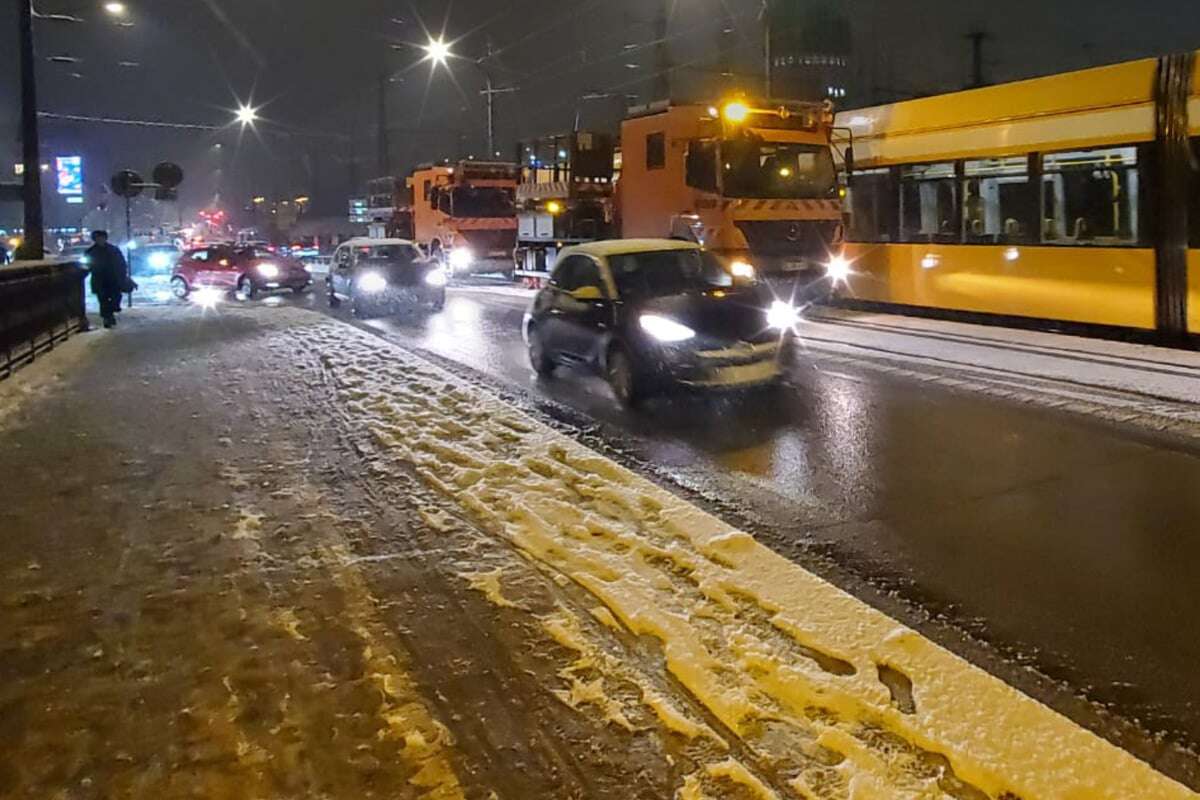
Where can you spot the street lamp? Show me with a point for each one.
(437, 51)
(247, 115)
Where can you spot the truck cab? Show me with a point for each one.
(465, 215)
(753, 181)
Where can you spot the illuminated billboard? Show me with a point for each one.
(70, 174)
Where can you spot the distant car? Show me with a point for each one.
(76, 252)
(380, 275)
(247, 270)
(153, 259)
(648, 314)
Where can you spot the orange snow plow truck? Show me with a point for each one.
(753, 181)
(465, 215)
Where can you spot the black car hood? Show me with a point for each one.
(722, 315)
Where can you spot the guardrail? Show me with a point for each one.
(41, 305)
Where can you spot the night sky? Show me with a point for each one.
(314, 67)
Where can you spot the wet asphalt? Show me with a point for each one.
(1067, 548)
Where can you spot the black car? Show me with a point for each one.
(382, 275)
(648, 314)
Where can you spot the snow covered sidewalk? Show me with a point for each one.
(261, 553)
(1154, 386)
(800, 689)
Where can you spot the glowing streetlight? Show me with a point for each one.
(116, 9)
(437, 51)
(247, 115)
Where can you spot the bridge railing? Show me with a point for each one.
(42, 303)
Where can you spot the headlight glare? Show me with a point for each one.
(461, 257)
(782, 316)
(268, 270)
(664, 329)
(435, 278)
(372, 283)
(838, 269)
(742, 269)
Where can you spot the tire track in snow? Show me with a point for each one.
(835, 699)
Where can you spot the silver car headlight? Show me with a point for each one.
(372, 283)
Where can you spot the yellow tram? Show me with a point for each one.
(1073, 198)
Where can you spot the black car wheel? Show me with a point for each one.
(334, 300)
(539, 359)
(439, 302)
(180, 288)
(623, 378)
(246, 290)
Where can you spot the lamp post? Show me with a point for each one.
(34, 239)
(438, 52)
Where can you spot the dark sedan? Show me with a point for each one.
(382, 275)
(648, 314)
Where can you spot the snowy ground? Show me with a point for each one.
(281, 557)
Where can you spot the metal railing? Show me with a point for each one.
(41, 305)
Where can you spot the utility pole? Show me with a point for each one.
(977, 39)
(34, 239)
(767, 66)
(385, 165)
(490, 93)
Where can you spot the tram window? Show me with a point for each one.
(999, 205)
(1090, 197)
(928, 203)
(873, 208)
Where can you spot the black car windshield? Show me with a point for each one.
(754, 168)
(395, 253)
(656, 274)
(483, 201)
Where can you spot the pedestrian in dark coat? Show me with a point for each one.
(110, 276)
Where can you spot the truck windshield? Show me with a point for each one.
(657, 274)
(754, 168)
(396, 253)
(487, 201)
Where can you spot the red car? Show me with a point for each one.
(246, 270)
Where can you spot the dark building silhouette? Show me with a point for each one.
(811, 45)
